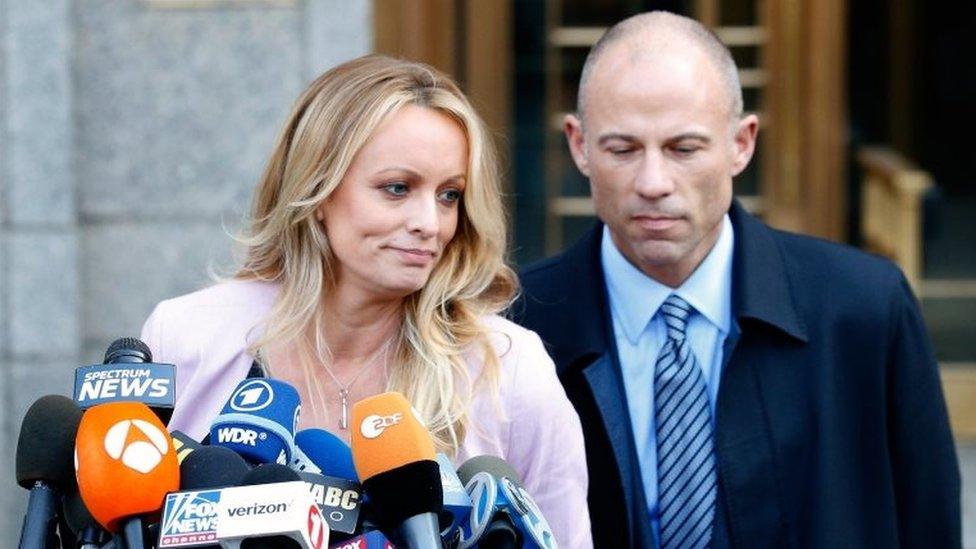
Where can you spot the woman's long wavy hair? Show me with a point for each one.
(284, 242)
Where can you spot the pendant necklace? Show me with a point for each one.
(344, 389)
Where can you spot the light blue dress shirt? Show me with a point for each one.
(640, 333)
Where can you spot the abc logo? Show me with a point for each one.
(137, 443)
(374, 425)
(252, 396)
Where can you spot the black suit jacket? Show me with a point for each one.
(831, 428)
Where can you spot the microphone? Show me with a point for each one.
(88, 535)
(128, 374)
(270, 510)
(457, 503)
(212, 467)
(273, 515)
(189, 517)
(394, 457)
(184, 445)
(339, 500)
(324, 462)
(504, 514)
(268, 473)
(44, 449)
(259, 421)
(125, 464)
(327, 452)
(274, 476)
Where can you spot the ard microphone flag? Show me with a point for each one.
(258, 421)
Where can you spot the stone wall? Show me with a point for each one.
(131, 135)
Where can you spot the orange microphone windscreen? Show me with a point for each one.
(125, 462)
(387, 434)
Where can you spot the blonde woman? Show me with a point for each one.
(375, 262)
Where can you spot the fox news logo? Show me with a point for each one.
(189, 518)
(151, 384)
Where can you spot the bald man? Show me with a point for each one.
(738, 386)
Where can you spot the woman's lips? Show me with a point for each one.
(414, 256)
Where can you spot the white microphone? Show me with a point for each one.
(243, 515)
(281, 510)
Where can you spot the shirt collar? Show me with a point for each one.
(636, 297)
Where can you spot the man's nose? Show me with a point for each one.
(653, 179)
(423, 219)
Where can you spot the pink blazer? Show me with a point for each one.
(206, 334)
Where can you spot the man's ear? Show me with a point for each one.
(744, 141)
(573, 128)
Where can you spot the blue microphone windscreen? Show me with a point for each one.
(328, 452)
(258, 421)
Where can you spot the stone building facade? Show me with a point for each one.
(131, 135)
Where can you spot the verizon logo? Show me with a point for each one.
(257, 509)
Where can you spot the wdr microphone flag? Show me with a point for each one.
(150, 383)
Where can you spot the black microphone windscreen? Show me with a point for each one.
(269, 473)
(494, 466)
(405, 491)
(46, 445)
(210, 467)
(127, 349)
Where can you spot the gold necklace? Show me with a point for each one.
(344, 389)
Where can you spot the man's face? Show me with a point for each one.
(660, 148)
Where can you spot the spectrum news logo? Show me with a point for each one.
(149, 383)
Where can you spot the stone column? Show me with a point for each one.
(39, 273)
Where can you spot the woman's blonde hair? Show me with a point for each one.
(331, 121)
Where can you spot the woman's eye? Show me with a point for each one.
(396, 189)
(450, 195)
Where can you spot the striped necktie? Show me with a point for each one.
(685, 454)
